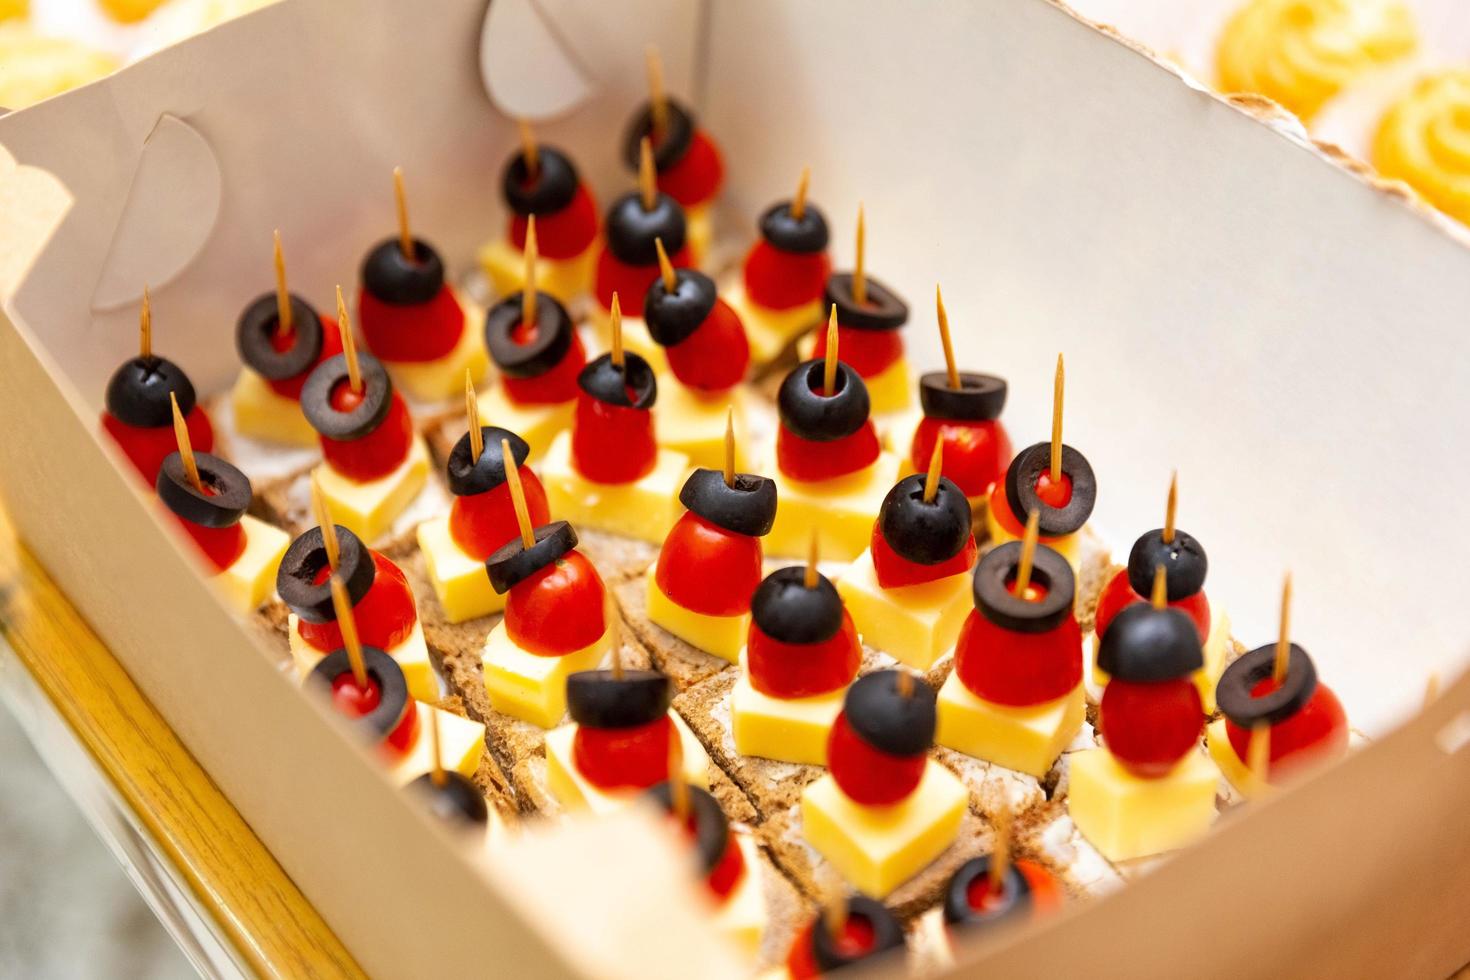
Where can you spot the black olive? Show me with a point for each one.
(885, 718)
(670, 146)
(883, 310)
(887, 934)
(539, 354)
(296, 578)
(222, 506)
(787, 611)
(925, 531)
(600, 699)
(316, 398)
(457, 802)
(631, 386)
(816, 417)
(979, 398)
(711, 826)
(137, 392)
(748, 507)
(1021, 479)
(471, 476)
(630, 231)
(1234, 692)
(552, 189)
(997, 603)
(1147, 645)
(1012, 901)
(257, 327)
(514, 563)
(672, 316)
(1183, 559)
(397, 280)
(785, 232)
(383, 672)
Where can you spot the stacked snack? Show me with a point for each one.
(853, 932)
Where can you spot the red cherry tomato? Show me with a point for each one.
(1018, 669)
(331, 347)
(482, 522)
(1056, 493)
(868, 352)
(803, 459)
(376, 454)
(1118, 595)
(697, 177)
(1149, 727)
(354, 702)
(384, 617)
(416, 333)
(707, 569)
(612, 443)
(893, 570)
(1004, 516)
(1046, 894)
(1315, 735)
(803, 670)
(563, 234)
(727, 874)
(553, 387)
(866, 775)
(558, 610)
(856, 940)
(714, 357)
(780, 280)
(401, 739)
(147, 448)
(624, 758)
(975, 453)
(220, 546)
(630, 282)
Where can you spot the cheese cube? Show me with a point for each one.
(537, 424)
(261, 413)
(369, 509)
(842, 509)
(1205, 679)
(890, 390)
(769, 331)
(699, 232)
(1235, 770)
(529, 686)
(1069, 546)
(1026, 739)
(914, 624)
(878, 848)
(431, 382)
(787, 730)
(459, 580)
(575, 792)
(412, 655)
(1126, 817)
(644, 509)
(636, 337)
(693, 423)
(566, 279)
(251, 578)
(742, 916)
(461, 744)
(722, 636)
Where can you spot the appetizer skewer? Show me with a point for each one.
(855, 930)
(451, 796)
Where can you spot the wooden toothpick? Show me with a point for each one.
(614, 622)
(678, 785)
(1283, 638)
(936, 467)
(1000, 854)
(349, 344)
(436, 772)
(517, 495)
(405, 235)
(284, 323)
(529, 150)
(944, 339)
(1160, 596)
(798, 203)
(665, 267)
(834, 905)
(1028, 552)
(647, 180)
(347, 624)
(324, 521)
(658, 99)
(615, 324)
(812, 554)
(905, 683)
(186, 448)
(1058, 389)
(1171, 508)
(1431, 688)
(145, 327)
(829, 372)
(859, 280)
(730, 446)
(472, 416)
(1258, 755)
(528, 291)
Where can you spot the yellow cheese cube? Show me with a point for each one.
(769, 331)
(636, 337)
(531, 687)
(1205, 679)
(878, 848)
(461, 744)
(262, 414)
(693, 423)
(842, 510)
(575, 792)
(722, 636)
(914, 624)
(369, 509)
(699, 232)
(890, 390)
(1025, 739)
(1230, 764)
(742, 915)
(566, 279)
(1069, 546)
(787, 730)
(459, 580)
(412, 655)
(645, 509)
(1126, 817)
(251, 578)
(430, 382)
(537, 424)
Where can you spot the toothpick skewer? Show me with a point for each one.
(944, 339)
(798, 203)
(472, 415)
(284, 324)
(665, 267)
(658, 99)
(517, 495)
(905, 683)
(1171, 508)
(400, 197)
(528, 291)
(859, 280)
(1283, 638)
(1028, 553)
(829, 373)
(678, 785)
(349, 345)
(436, 773)
(324, 521)
(348, 625)
(1258, 755)
(614, 634)
(1000, 854)
(1160, 596)
(1058, 390)
(145, 327)
(834, 905)
(615, 322)
(647, 181)
(186, 448)
(812, 554)
(730, 446)
(529, 150)
(936, 467)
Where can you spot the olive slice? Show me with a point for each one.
(601, 699)
(468, 477)
(514, 563)
(257, 328)
(711, 826)
(458, 802)
(1013, 900)
(1147, 645)
(137, 392)
(397, 280)
(672, 316)
(543, 351)
(316, 398)
(1234, 692)
(785, 232)
(1021, 479)
(302, 565)
(551, 188)
(816, 417)
(883, 310)
(383, 672)
(883, 716)
(670, 145)
(748, 507)
(787, 611)
(227, 493)
(997, 603)
(979, 398)
(1183, 559)
(926, 532)
(886, 933)
(630, 386)
(630, 230)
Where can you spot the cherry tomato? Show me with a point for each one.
(1149, 727)
(331, 347)
(803, 459)
(415, 333)
(865, 774)
(563, 234)
(1005, 517)
(1118, 594)
(727, 874)
(803, 670)
(482, 522)
(714, 357)
(401, 739)
(376, 454)
(1046, 894)
(707, 569)
(697, 177)
(975, 453)
(552, 387)
(855, 941)
(354, 701)
(630, 282)
(1054, 493)
(893, 570)
(868, 352)
(780, 280)
(220, 546)
(384, 617)
(1018, 669)
(147, 448)
(624, 758)
(1316, 734)
(558, 610)
(612, 443)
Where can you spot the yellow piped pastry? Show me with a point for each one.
(1424, 140)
